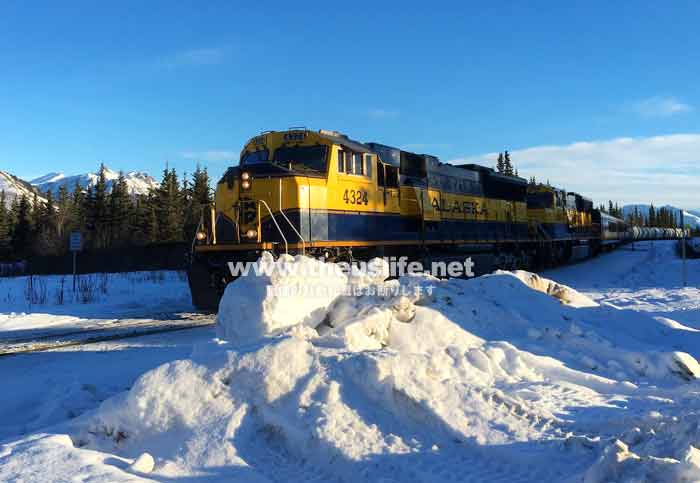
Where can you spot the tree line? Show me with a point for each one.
(654, 217)
(106, 218)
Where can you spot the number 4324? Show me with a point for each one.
(355, 197)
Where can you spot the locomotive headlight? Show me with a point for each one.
(201, 235)
(245, 176)
(245, 184)
(251, 233)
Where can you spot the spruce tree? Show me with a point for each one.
(507, 165)
(5, 228)
(198, 196)
(79, 209)
(169, 208)
(63, 209)
(22, 233)
(500, 164)
(120, 208)
(98, 211)
(45, 240)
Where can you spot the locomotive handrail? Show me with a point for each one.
(286, 245)
(303, 243)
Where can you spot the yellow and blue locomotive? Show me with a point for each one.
(325, 195)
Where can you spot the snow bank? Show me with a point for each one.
(417, 379)
(286, 292)
(565, 294)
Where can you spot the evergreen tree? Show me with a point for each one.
(22, 233)
(152, 226)
(63, 209)
(169, 208)
(97, 212)
(142, 229)
(120, 208)
(500, 164)
(79, 208)
(198, 196)
(35, 212)
(45, 240)
(507, 165)
(5, 227)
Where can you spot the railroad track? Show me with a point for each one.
(48, 339)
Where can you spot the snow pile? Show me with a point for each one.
(505, 377)
(567, 295)
(284, 292)
(635, 457)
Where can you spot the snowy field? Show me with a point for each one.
(589, 374)
(43, 302)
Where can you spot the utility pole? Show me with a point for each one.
(685, 275)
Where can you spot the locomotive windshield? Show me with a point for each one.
(302, 158)
(255, 157)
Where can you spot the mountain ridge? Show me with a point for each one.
(137, 182)
(14, 187)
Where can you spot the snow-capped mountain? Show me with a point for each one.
(692, 217)
(138, 183)
(16, 187)
(48, 178)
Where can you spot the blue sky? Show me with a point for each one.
(136, 84)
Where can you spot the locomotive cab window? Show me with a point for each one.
(302, 158)
(255, 157)
(341, 161)
(357, 164)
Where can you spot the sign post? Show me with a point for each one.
(76, 244)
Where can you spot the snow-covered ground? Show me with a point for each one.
(43, 388)
(28, 305)
(508, 377)
(645, 277)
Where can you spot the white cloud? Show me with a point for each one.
(660, 106)
(378, 113)
(211, 155)
(194, 57)
(659, 169)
